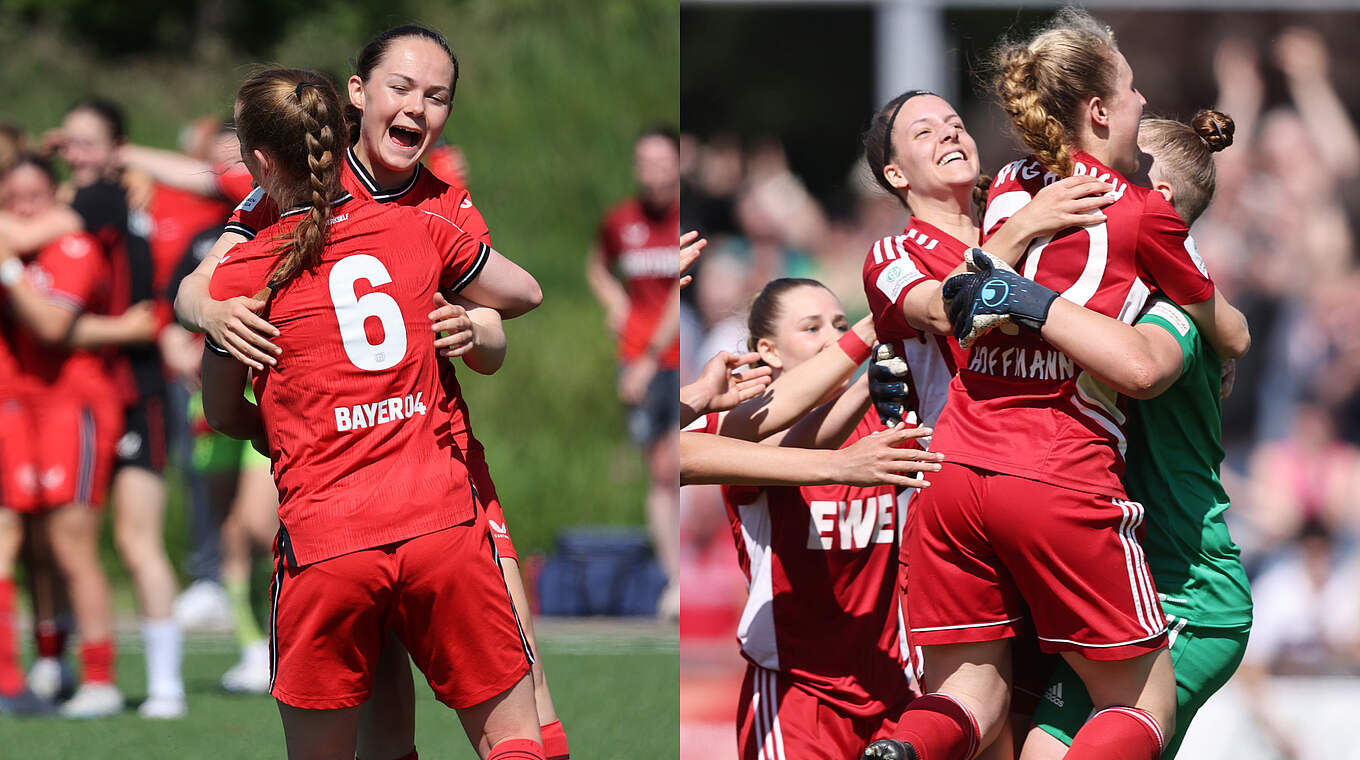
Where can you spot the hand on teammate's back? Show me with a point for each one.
(1070, 202)
(455, 327)
(879, 459)
(236, 325)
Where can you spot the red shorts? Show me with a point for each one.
(75, 443)
(776, 720)
(486, 494)
(18, 447)
(441, 593)
(981, 546)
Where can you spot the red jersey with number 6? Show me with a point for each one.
(424, 191)
(1021, 407)
(646, 250)
(356, 416)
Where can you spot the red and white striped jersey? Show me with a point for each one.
(895, 266)
(821, 570)
(1020, 406)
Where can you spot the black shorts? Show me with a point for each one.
(143, 442)
(659, 412)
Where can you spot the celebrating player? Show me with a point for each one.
(359, 549)
(403, 90)
(820, 630)
(1040, 451)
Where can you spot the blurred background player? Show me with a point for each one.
(632, 269)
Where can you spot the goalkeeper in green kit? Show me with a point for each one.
(1174, 440)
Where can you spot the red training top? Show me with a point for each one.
(356, 416)
(647, 253)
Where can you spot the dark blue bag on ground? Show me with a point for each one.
(601, 571)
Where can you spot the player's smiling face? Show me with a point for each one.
(932, 151)
(27, 191)
(405, 103)
(810, 319)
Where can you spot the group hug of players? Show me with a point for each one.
(334, 301)
(1046, 572)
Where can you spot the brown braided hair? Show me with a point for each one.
(294, 116)
(1042, 84)
(1184, 157)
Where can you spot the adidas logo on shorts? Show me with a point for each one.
(1054, 694)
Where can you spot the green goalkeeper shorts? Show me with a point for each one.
(1204, 659)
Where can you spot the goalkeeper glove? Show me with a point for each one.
(887, 385)
(990, 295)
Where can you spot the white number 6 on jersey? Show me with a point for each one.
(353, 312)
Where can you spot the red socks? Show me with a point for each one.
(1118, 733)
(555, 741)
(517, 749)
(11, 677)
(50, 638)
(939, 727)
(96, 662)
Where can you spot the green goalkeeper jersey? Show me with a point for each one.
(1175, 449)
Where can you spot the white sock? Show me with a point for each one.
(164, 651)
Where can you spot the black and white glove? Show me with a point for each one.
(990, 295)
(888, 385)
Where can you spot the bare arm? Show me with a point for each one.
(504, 286)
(224, 403)
(796, 392)
(718, 389)
(49, 322)
(172, 168)
(828, 426)
(135, 326)
(234, 324)
(607, 289)
(471, 331)
(873, 460)
(1140, 362)
(1222, 325)
(32, 233)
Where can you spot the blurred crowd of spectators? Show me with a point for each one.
(1279, 240)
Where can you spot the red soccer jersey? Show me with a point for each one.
(647, 253)
(234, 182)
(1022, 407)
(73, 273)
(821, 570)
(176, 216)
(424, 191)
(892, 269)
(356, 416)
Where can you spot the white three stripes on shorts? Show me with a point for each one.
(765, 709)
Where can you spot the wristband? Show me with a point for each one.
(214, 347)
(854, 347)
(11, 271)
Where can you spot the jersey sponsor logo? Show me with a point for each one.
(854, 524)
(1193, 249)
(1023, 363)
(1054, 694)
(1170, 314)
(252, 200)
(896, 277)
(650, 262)
(362, 416)
(467, 203)
(335, 219)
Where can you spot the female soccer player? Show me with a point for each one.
(1032, 520)
(75, 414)
(375, 498)
(820, 630)
(1173, 458)
(403, 89)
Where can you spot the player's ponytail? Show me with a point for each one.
(1183, 157)
(1042, 84)
(294, 117)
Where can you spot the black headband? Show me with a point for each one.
(297, 91)
(887, 136)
